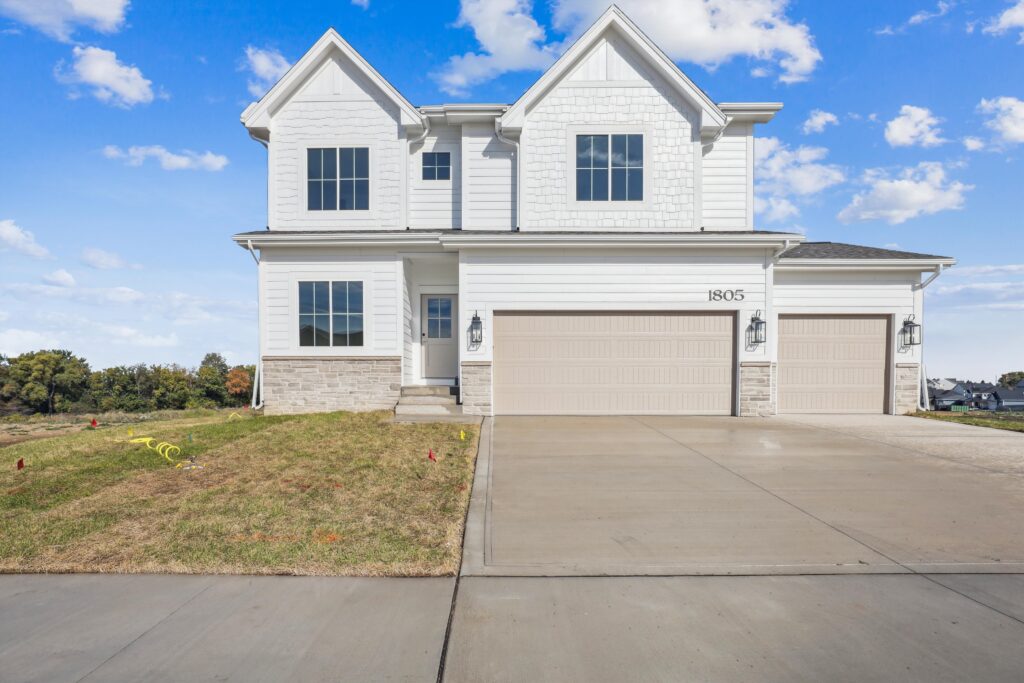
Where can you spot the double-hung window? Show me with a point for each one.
(437, 166)
(338, 178)
(331, 313)
(610, 168)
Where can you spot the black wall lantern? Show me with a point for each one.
(476, 330)
(911, 332)
(758, 329)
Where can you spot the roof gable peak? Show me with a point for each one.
(257, 114)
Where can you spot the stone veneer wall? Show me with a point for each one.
(908, 387)
(476, 388)
(757, 389)
(318, 385)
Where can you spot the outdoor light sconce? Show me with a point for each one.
(476, 330)
(911, 332)
(758, 329)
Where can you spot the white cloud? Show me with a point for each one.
(1007, 117)
(60, 278)
(510, 40)
(186, 160)
(775, 209)
(365, 4)
(267, 66)
(1012, 19)
(916, 191)
(13, 237)
(941, 10)
(818, 120)
(707, 32)
(914, 126)
(892, 245)
(783, 174)
(111, 81)
(4, 315)
(122, 334)
(59, 18)
(985, 270)
(103, 260)
(97, 295)
(973, 144)
(14, 341)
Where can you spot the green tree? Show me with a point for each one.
(210, 381)
(46, 381)
(1011, 379)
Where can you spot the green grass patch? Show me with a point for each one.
(1010, 421)
(340, 493)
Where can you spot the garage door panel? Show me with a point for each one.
(628, 363)
(832, 364)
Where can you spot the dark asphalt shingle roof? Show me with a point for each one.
(838, 250)
(1015, 394)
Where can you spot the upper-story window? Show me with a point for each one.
(610, 168)
(331, 313)
(338, 178)
(437, 166)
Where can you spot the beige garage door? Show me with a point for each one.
(833, 364)
(613, 363)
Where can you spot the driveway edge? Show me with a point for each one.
(475, 538)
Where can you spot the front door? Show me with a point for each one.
(437, 335)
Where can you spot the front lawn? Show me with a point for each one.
(340, 493)
(1011, 421)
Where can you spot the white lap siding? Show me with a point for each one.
(381, 274)
(605, 280)
(851, 293)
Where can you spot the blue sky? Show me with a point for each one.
(125, 169)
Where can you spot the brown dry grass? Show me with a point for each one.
(337, 494)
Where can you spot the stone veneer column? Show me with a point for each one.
(476, 388)
(303, 384)
(757, 389)
(908, 387)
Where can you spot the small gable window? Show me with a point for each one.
(437, 166)
(338, 179)
(331, 313)
(610, 168)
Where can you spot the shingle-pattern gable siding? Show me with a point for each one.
(668, 170)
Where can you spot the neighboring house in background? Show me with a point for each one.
(1006, 398)
(944, 400)
(588, 249)
(942, 383)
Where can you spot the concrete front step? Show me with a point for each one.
(406, 409)
(427, 400)
(417, 390)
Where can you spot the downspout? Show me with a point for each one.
(922, 394)
(257, 380)
(519, 184)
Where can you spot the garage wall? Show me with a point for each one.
(850, 293)
(605, 280)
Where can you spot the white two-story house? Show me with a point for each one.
(588, 249)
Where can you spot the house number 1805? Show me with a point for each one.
(725, 295)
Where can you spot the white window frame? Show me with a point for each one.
(608, 205)
(336, 215)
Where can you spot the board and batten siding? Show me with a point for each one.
(602, 280)
(436, 203)
(850, 293)
(381, 274)
(727, 177)
(336, 107)
(488, 179)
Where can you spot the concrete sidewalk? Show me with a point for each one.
(191, 628)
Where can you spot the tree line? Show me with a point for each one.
(57, 381)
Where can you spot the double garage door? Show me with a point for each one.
(629, 363)
(679, 363)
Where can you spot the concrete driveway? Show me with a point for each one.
(573, 496)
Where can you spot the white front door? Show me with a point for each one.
(437, 336)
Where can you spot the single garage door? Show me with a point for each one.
(833, 364)
(577, 363)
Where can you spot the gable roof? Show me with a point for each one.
(712, 117)
(1005, 394)
(257, 114)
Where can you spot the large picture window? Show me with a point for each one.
(338, 178)
(610, 168)
(331, 313)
